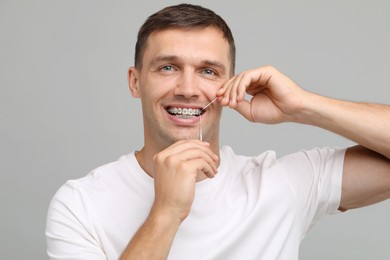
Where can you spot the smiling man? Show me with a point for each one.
(182, 198)
(173, 83)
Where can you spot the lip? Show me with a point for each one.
(183, 106)
(183, 121)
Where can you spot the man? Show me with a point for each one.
(184, 198)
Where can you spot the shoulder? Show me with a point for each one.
(109, 173)
(229, 156)
(313, 159)
(100, 179)
(264, 160)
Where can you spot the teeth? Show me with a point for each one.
(184, 111)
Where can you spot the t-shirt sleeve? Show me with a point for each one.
(315, 176)
(69, 234)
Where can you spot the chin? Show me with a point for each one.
(174, 137)
(186, 137)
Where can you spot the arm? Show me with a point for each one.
(154, 238)
(366, 176)
(277, 99)
(175, 172)
(363, 123)
(69, 232)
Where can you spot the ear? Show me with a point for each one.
(132, 78)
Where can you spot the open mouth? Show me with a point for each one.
(183, 112)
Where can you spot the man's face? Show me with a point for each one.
(181, 73)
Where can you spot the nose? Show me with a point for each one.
(187, 86)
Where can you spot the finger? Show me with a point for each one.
(197, 144)
(238, 93)
(251, 83)
(189, 169)
(263, 75)
(181, 145)
(227, 93)
(233, 90)
(224, 92)
(198, 155)
(188, 150)
(207, 169)
(247, 81)
(255, 91)
(244, 108)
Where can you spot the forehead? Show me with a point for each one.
(188, 44)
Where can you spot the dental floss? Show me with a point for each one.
(200, 128)
(212, 101)
(200, 118)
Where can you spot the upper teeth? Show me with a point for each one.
(184, 111)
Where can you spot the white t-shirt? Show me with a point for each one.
(255, 208)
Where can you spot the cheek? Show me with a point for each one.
(153, 88)
(210, 88)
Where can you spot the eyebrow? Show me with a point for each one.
(215, 64)
(164, 58)
(174, 58)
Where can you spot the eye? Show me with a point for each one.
(167, 68)
(209, 72)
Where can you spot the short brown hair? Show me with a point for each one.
(182, 16)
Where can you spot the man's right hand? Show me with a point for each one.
(176, 170)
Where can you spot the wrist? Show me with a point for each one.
(154, 238)
(311, 110)
(165, 218)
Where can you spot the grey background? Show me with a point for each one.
(65, 107)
